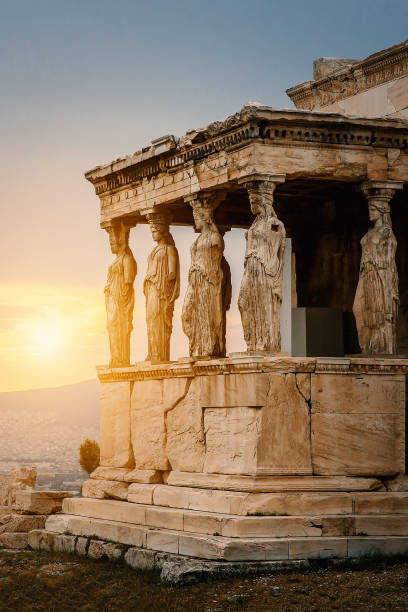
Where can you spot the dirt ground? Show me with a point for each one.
(51, 581)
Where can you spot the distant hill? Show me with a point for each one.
(45, 427)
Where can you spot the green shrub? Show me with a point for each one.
(89, 454)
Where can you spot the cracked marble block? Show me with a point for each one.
(116, 450)
(358, 424)
(244, 423)
(256, 424)
(148, 426)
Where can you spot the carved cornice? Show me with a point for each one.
(252, 124)
(278, 364)
(376, 69)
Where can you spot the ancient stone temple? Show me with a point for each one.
(290, 450)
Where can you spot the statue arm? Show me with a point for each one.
(129, 269)
(172, 263)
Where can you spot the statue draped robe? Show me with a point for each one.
(161, 293)
(119, 299)
(260, 295)
(202, 317)
(376, 302)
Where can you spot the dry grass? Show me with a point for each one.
(54, 582)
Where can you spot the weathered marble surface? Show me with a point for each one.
(358, 424)
(255, 423)
(203, 315)
(185, 445)
(260, 295)
(161, 287)
(363, 393)
(148, 426)
(115, 444)
(119, 294)
(377, 297)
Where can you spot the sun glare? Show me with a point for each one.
(47, 338)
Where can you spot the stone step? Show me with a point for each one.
(294, 503)
(269, 484)
(216, 547)
(236, 526)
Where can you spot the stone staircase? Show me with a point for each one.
(216, 524)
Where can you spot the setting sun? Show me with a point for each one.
(47, 337)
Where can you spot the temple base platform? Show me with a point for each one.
(251, 459)
(171, 525)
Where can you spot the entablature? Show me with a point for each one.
(298, 144)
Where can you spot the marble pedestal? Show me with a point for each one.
(256, 415)
(250, 458)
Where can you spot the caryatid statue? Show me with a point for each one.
(161, 288)
(206, 297)
(119, 295)
(377, 299)
(260, 295)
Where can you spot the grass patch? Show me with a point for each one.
(56, 582)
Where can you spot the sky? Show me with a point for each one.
(84, 82)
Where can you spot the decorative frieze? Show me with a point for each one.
(322, 365)
(376, 69)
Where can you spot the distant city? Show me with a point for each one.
(45, 427)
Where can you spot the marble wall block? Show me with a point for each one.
(148, 425)
(284, 444)
(116, 449)
(234, 390)
(231, 438)
(257, 423)
(358, 424)
(185, 442)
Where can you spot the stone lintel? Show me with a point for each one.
(262, 177)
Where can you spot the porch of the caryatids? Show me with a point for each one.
(208, 291)
(260, 295)
(377, 297)
(119, 294)
(161, 287)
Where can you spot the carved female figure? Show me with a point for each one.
(260, 295)
(202, 316)
(161, 288)
(119, 295)
(376, 302)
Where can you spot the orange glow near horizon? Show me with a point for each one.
(49, 335)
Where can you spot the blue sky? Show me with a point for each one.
(84, 82)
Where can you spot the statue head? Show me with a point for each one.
(203, 216)
(379, 209)
(261, 199)
(159, 226)
(118, 237)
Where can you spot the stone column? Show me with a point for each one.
(377, 299)
(161, 287)
(205, 302)
(119, 294)
(260, 296)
